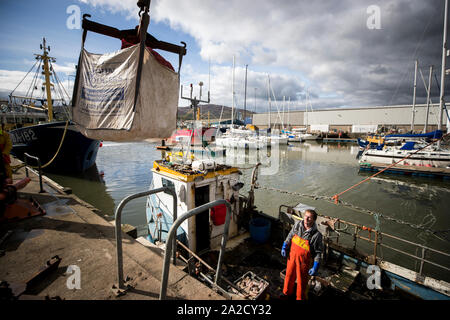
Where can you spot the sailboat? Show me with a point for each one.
(56, 142)
(417, 153)
(304, 133)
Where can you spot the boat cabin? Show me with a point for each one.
(194, 184)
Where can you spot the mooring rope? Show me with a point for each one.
(17, 167)
(336, 196)
(375, 215)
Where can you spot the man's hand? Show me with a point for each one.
(313, 270)
(283, 249)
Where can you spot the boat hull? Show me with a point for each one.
(77, 153)
(429, 159)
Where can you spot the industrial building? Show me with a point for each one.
(356, 120)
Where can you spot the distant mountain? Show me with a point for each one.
(186, 113)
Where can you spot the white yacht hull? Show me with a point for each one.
(428, 158)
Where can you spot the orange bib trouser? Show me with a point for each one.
(297, 268)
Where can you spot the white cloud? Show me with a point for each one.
(10, 79)
(126, 7)
(23, 83)
(326, 42)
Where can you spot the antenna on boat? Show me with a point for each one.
(194, 104)
(194, 101)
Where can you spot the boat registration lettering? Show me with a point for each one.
(23, 136)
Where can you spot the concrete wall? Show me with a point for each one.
(343, 119)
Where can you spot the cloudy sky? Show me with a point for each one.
(338, 53)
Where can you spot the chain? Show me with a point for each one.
(376, 215)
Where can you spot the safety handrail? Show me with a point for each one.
(41, 189)
(172, 231)
(377, 242)
(118, 224)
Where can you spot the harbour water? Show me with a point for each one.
(306, 168)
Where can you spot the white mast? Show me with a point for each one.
(306, 108)
(444, 55)
(232, 96)
(414, 96)
(289, 114)
(428, 99)
(268, 94)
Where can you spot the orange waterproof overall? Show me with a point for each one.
(298, 265)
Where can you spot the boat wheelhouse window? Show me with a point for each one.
(169, 184)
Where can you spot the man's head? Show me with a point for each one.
(309, 218)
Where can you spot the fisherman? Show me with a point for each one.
(304, 245)
(5, 147)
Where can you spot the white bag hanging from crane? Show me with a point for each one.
(106, 95)
(127, 95)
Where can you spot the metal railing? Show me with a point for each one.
(376, 238)
(118, 226)
(171, 236)
(26, 155)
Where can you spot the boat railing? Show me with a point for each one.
(118, 225)
(26, 156)
(375, 241)
(171, 237)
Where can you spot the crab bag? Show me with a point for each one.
(106, 105)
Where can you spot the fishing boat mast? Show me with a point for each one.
(47, 72)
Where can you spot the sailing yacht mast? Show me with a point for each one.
(268, 94)
(289, 114)
(444, 56)
(306, 108)
(245, 94)
(428, 99)
(414, 95)
(232, 95)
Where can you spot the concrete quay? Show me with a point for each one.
(72, 230)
